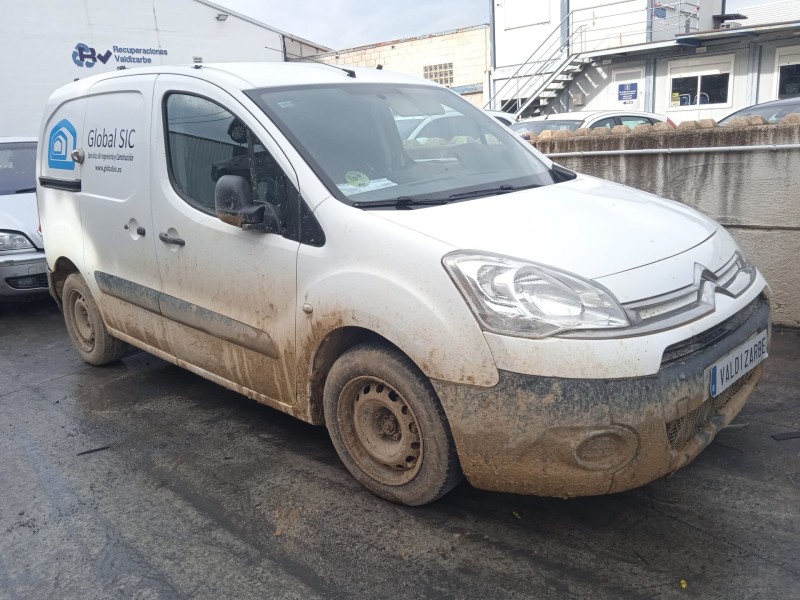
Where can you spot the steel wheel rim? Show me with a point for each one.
(84, 330)
(380, 430)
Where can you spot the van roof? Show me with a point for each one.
(249, 75)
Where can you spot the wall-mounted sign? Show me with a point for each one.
(628, 92)
(87, 56)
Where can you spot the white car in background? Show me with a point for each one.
(587, 119)
(23, 268)
(505, 118)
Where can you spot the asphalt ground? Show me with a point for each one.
(141, 480)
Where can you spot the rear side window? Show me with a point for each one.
(607, 123)
(632, 121)
(206, 141)
(17, 167)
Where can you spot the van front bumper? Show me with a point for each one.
(553, 436)
(23, 275)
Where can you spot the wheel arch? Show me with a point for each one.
(62, 269)
(335, 343)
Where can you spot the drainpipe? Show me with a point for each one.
(753, 72)
(492, 41)
(650, 84)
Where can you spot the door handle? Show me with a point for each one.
(168, 239)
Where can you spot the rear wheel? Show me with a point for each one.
(85, 325)
(388, 426)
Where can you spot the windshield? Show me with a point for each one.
(17, 167)
(538, 127)
(770, 112)
(374, 143)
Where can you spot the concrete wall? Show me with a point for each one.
(467, 49)
(755, 193)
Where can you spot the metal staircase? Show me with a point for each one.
(582, 34)
(546, 72)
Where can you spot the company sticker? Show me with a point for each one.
(62, 141)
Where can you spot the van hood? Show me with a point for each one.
(587, 226)
(18, 212)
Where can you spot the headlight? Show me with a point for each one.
(11, 240)
(520, 298)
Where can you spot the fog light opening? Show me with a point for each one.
(23, 283)
(607, 450)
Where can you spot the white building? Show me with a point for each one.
(52, 42)
(687, 59)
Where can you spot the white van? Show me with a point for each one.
(451, 304)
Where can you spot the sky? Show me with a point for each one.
(341, 24)
(734, 5)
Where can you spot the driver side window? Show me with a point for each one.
(206, 141)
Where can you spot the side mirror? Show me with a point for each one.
(234, 204)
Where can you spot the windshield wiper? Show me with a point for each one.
(25, 190)
(503, 189)
(401, 202)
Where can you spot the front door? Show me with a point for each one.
(228, 295)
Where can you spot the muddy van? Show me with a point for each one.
(449, 303)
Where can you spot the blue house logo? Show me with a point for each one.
(63, 140)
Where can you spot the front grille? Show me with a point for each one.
(681, 431)
(696, 299)
(704, 340)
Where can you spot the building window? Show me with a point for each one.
(442, 73)
(701, 81)
(789, 81)
(700, 89)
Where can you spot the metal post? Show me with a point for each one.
(650, 84)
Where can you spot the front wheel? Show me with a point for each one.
(388, 426)
(85, 325)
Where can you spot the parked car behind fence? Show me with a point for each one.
(587, 119)
(23, 269)
(773, 112)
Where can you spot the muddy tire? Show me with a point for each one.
(85, 325)
(388, 426)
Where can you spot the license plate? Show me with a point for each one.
(733, 365)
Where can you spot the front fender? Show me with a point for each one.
(433, 327)
(387, 279)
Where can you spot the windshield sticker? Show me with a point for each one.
(356, 178)
(365, 185)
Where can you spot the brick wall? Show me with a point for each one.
(467, 49)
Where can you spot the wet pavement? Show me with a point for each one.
(141, 480)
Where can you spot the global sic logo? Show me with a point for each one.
(86, 56)
(63, 140)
